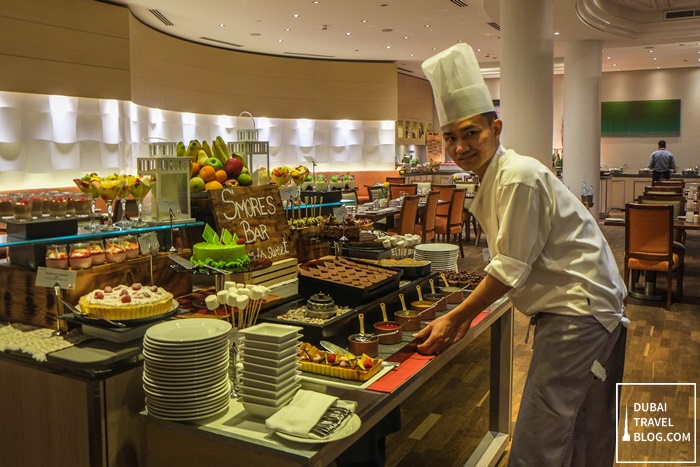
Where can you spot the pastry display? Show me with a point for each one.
(341, 366)
(97, 252)
(131, 246)
(347, 272)
(331, 229)
(56, 257)
(127, 302)
(465, 279)
(80, 256)
(114, 251)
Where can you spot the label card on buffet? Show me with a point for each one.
(149, 244)
(340, 213)
(255, 214)
(49, 277)
(289, 193)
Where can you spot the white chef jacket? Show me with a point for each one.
(544, 243)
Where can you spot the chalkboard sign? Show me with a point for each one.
(641, 118)
(255, 214)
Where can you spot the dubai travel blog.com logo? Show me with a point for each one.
(656, 423)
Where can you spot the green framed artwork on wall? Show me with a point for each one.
(641, 118)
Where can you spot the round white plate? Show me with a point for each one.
(196, 370)
(188, 330)
(208, 380)
(350, 427)
(184, 347)
(186, 379)
(436, 247)
(187, 396)
(200, 359)
(195, 415)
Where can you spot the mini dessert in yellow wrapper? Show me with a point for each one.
(343, 366)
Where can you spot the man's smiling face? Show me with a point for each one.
(471, 142)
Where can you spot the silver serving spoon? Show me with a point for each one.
(80, 313)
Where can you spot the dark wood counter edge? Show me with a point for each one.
(374, 406)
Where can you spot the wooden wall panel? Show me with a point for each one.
(415, 99)
(76, 48)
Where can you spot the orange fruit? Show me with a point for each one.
(221, 176)
(213, 185)
(195, 169)
(207, 173)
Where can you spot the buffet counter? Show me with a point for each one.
(237, 435)
(618, 189)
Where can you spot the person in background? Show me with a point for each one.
(662, 163)
(550, 257)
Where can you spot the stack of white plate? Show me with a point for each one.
(270, 375)
(185, 373)
(442, 256)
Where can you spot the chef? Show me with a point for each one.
(548, 254)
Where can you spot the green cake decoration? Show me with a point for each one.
(222, 252)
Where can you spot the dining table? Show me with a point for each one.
(367, 211)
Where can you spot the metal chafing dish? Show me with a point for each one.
(615, 170)
(690, 171)
(321, 306)
(645, 171)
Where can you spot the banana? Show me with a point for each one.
(219, 152)
(224, 147)
(207, 148)
(180, 151)
(191, 151)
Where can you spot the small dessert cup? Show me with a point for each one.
(97, 252)
(58, 205)
(22, 206)
(114, 250)
(6, 211)
(80, 256)
(56, 257)
(37, 205)
(131, 246)
(81, 204)
(70, 206)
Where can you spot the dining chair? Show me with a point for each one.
(396, 180)
(676, 200)
(445, 195)
(407, 217)
(467, 217)
(426, 227)
(395, 189)
(649, 245)
(680, 183)
(450, 227)
(375, 192)
(663, 190)
(350, 197)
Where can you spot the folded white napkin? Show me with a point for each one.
(303, 413)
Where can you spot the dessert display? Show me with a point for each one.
(139, 187)
(97, 252)
(56, 257)
(131, 246)
(321, 183)
(114, 251)
(465, 279)
(226, 252)
(299, 314)
(280, 175)
(80, 256)
(22, 206)
(299, 174)
(6, 206)
(81, 204)
(127, 302)
(330, 228)
(58, 205)
(347, 272)
(37, 205)
(341, 366)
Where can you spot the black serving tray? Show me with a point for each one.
(348, 295)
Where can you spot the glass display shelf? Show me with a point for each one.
(6, 241)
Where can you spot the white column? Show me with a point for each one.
(582, 75)
(527, 76)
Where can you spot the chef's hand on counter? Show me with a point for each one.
(453, 326)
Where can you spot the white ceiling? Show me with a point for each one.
(407, 32)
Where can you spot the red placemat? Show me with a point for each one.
(411, 361)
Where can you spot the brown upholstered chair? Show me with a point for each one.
(680, 183)
(407, 218)
(450, 227)
(649, 245)
(396, 180)
(445, 195)
(411, 189)
(375, 192)
(663, 190)
(426, 227)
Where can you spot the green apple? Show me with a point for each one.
(214, 162)
(196, 184)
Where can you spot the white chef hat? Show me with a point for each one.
(458, 86)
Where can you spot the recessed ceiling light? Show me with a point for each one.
(614, 64)
(388, 46)
(280, 40)
(411, 55)
(363, 20)
(348, 33)
(556, 33)
(406, 37)
(478, 50)
(654, 58)
(608, 58)
(296, 15)
(287, 29)
(316, 1)
(427, 25)
(434, 48)
(222, 25)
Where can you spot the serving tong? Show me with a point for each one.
(331, 420)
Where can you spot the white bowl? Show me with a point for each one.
(250, 368)
(270, 332)
(274, 401)
(269, 362)
(252, 394)
(258, 352)
(278, 386)
(272, 379)
(259, 411)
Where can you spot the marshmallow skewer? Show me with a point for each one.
(222, 296)
(242, 305)
(212, 303)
